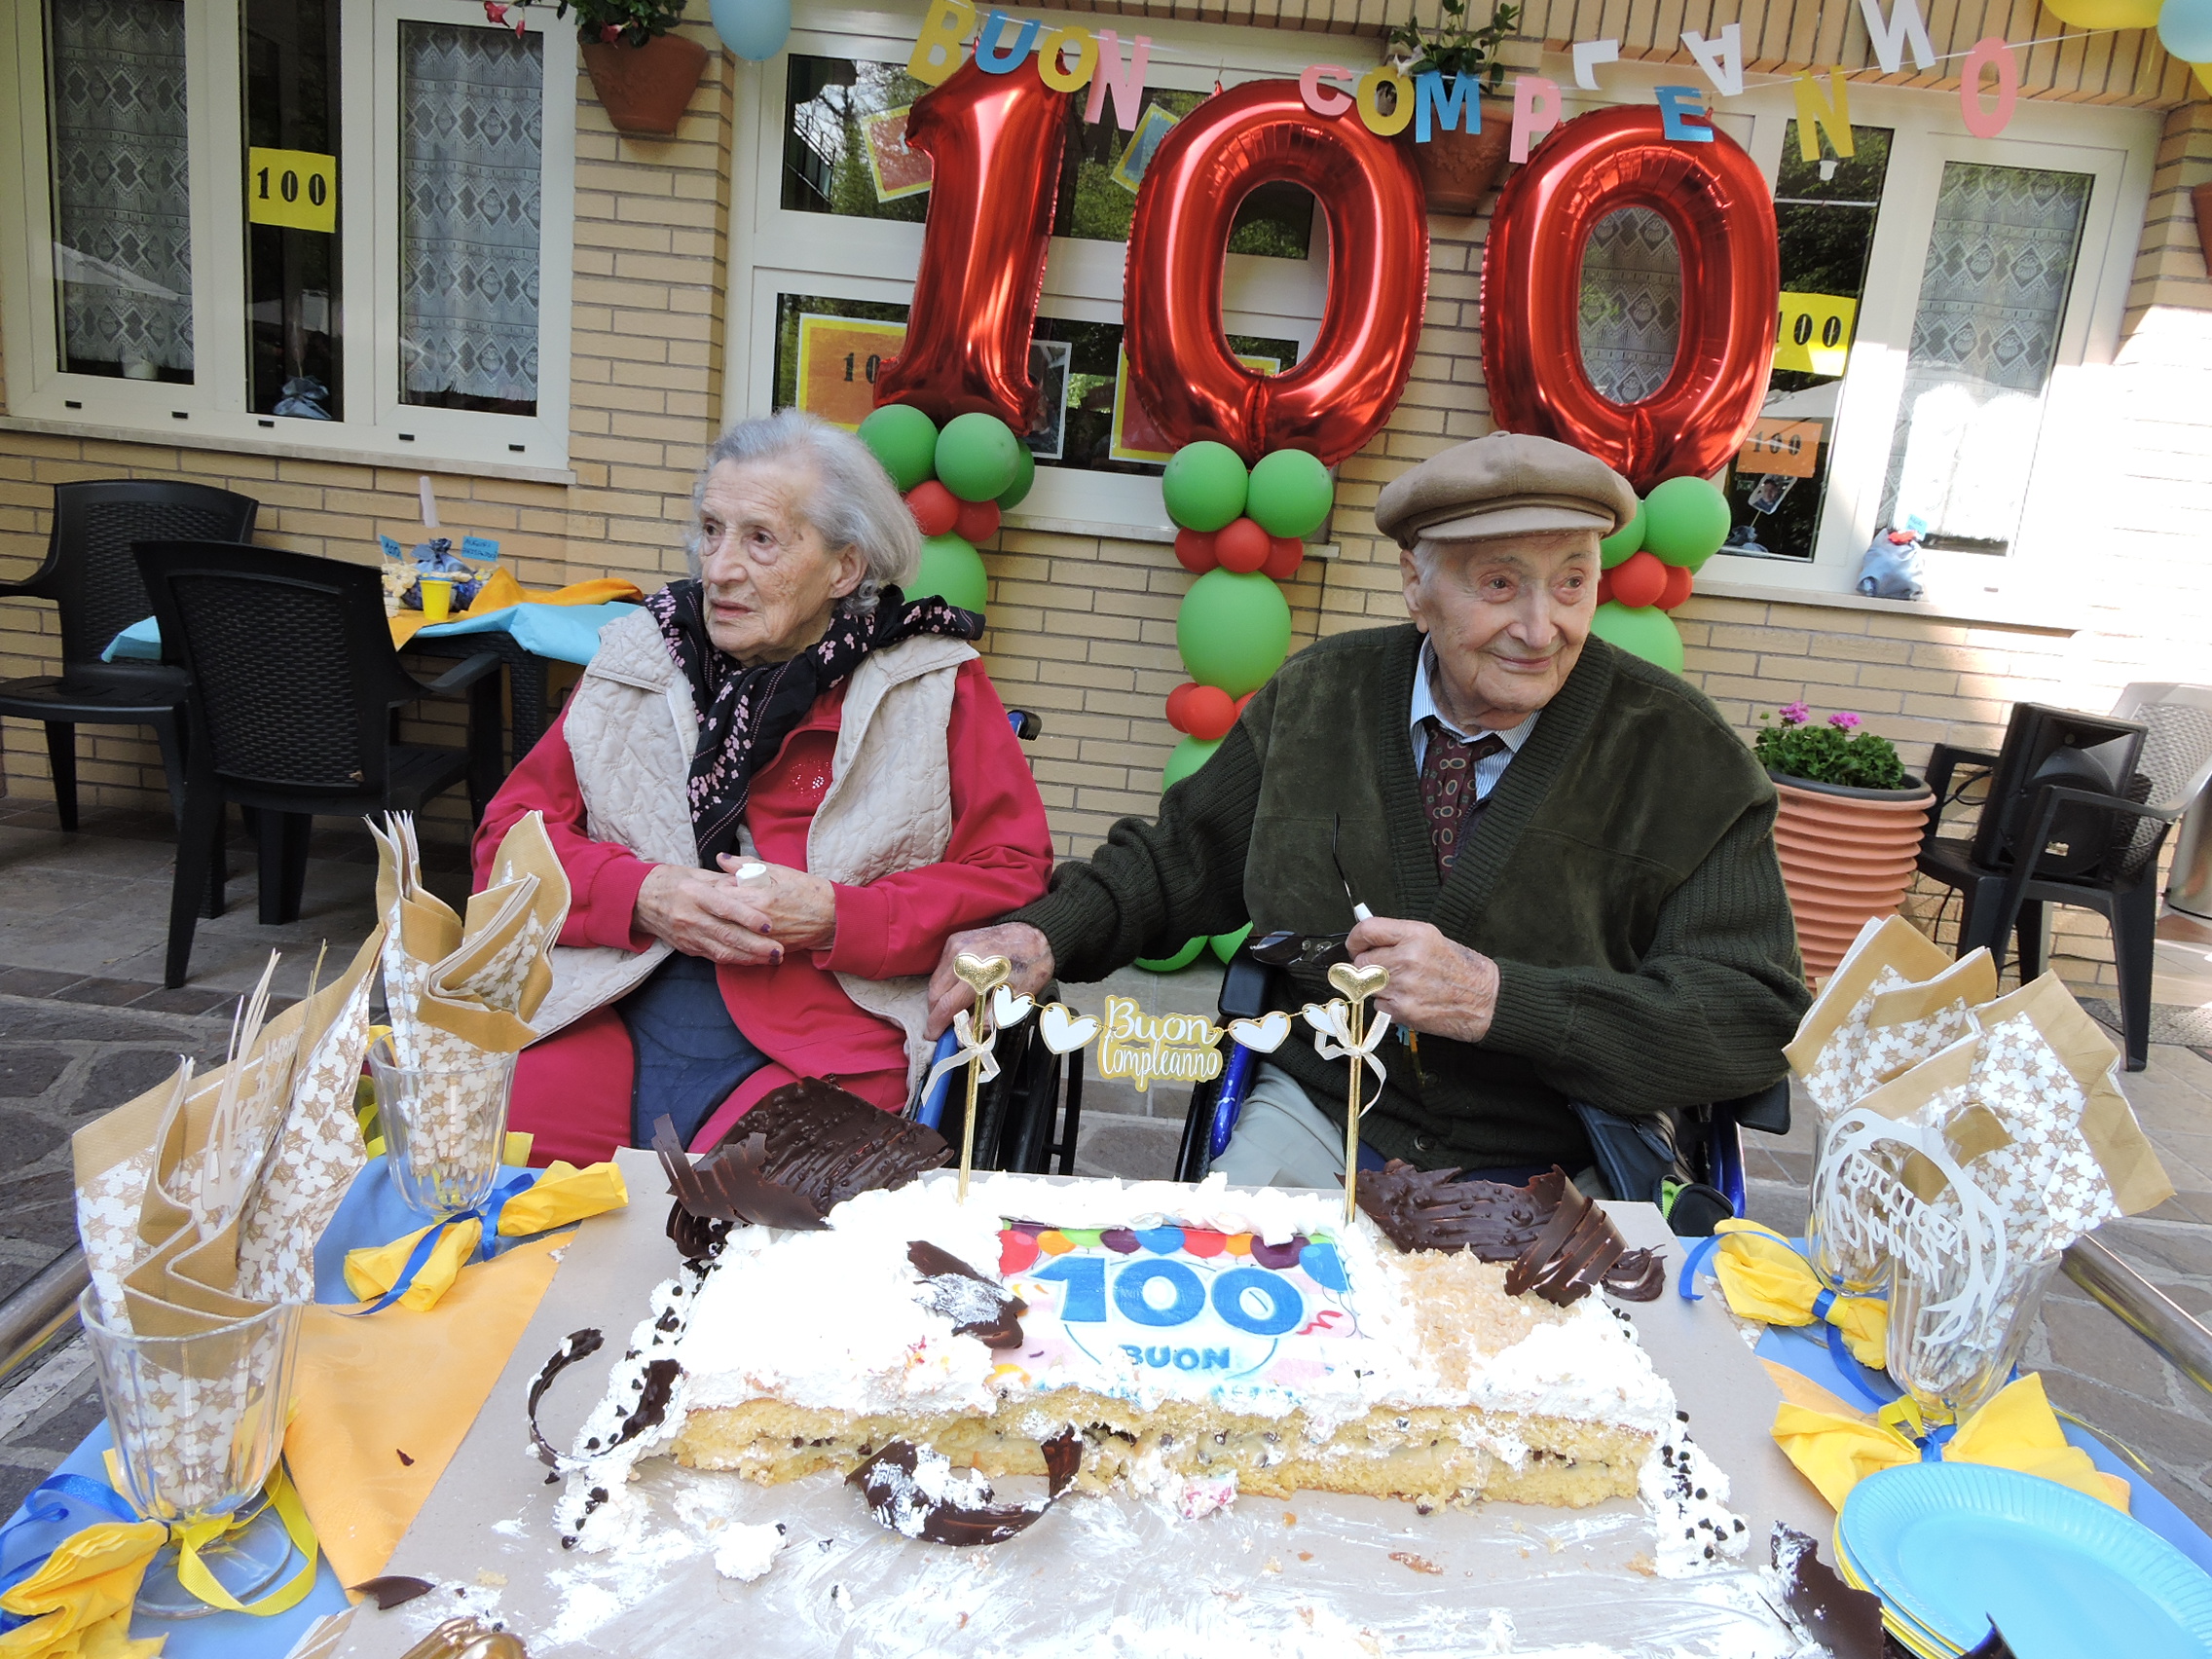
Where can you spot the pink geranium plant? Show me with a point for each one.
(1789, 744)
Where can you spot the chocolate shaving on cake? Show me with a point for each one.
(914, 1491)
(391, 1592)
(977, 1305)
(1558, 1242)
(581, 1345)
(652, 1409)
(1847, 1622)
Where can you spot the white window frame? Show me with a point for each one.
(376, 428)
(1274, 298)
(2118, 148)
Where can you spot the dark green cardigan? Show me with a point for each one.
(1623, 877)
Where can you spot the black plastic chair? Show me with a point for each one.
(2094, 847)
(92, 577)
(294, 692)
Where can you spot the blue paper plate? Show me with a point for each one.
(1903, 1631)
(1958, 1546)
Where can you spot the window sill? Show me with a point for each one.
(397, 459)
(1997, 609)
(1163, 534)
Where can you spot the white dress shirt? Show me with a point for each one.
(1491, 767)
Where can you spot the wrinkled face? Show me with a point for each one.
(1507, 616)
(771, 581)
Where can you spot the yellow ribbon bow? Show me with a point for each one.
(1763, 1278)
(561, 1194)
(1836, 1447)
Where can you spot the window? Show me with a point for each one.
(343, 223)
(825, 249)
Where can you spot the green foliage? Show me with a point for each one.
(1451, 48)
(1836, 752)
(637, 20)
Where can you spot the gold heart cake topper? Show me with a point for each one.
(1358, 983)
(983, 974)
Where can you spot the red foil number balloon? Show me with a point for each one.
(1341, 392)
(995, 144)
(1722, 216)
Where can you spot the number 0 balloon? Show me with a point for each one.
(1719, 209)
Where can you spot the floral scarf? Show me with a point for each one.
(745, 714)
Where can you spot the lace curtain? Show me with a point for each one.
(1992, 300)
(470, 148)
(121, 206)
(1632, 304)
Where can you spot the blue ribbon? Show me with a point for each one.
(1694, 1263)
(1931, 1443)
(418, 1258)
(77, 1488)
(1823, 1298)
(1848, 1369)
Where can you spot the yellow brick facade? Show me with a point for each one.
(1083, 627)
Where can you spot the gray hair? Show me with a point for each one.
(856, 506)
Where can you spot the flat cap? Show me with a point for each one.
(1507, 484)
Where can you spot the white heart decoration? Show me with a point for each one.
(1063, 1029)
(1007, 1009)
(1262, 1036)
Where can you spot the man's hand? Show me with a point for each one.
(704, 914)
(1436, 987)
(797, 910)
(1021, 944)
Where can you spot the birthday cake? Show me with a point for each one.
(1178, 1341)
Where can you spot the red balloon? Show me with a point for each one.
(994, 141)
(1285, 553)
(978, 521)
(1208, 712)
(1721, 214)
(1194, 551)
(1177, 699)
(1638, 580)
(1678, 580)
(936, 508)
(1246, 698)
(1341, 392)
(1241, 545)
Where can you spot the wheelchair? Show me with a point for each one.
(1689, 1162)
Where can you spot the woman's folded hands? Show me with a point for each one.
(748, 914)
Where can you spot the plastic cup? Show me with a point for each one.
(444, 1128)
(437, 598)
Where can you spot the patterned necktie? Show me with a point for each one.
(1447, 788)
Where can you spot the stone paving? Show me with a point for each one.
(85, 1026)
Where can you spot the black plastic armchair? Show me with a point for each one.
(295, 688)
(93, 579)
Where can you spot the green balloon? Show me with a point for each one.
(953, 571)
(1648, 633)
(1205, 485)
(904, 440)
(1170, 964)
(1689, 520)
(977, 457)
(1024, 475)
(1617, 547)
(1234, 630)
(1190, 755)
(1225, 945)
(1290, 494)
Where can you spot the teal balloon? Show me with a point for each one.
(1617, 547)
(1648, 633)
(1685, 522)
(1205, 485)
(977, 457)
(2185, 29)
(1190, 755)
(754, 29)
(1171, 964)
(1290, 494)
(1024, 475)
(1225, 946)
(904, 440)
(1234, 630)
(952, 571)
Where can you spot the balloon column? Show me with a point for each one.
(957, 481)
(1649, 563)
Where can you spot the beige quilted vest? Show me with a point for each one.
(631, 730)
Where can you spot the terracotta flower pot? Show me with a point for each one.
(1458, 167)
(647, 89)
(1846, 855)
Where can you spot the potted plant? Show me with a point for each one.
(1457, 167)
(645, 76)
(1848, 825)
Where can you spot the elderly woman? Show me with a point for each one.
(777, 789)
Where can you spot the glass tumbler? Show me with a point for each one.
(1949, 1351)
(1856, 1201)
(444, 1127)
(198, 1422)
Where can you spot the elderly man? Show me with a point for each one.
(1566, 851)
